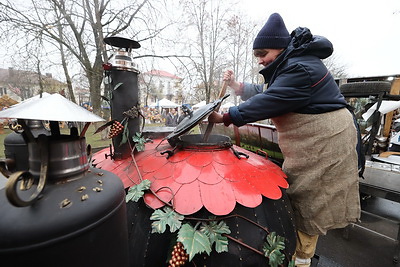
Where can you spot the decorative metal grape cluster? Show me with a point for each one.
(115, 129)
(178, 256)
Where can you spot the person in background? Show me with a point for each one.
(186, 110)
(171, 119)
(317, 135)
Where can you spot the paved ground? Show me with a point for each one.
(372, 243)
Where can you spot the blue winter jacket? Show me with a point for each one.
(297, 80)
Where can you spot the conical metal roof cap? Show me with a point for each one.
(53, 107)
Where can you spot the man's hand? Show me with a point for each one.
(215, 117)
(229, 77)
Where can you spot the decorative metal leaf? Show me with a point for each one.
(139, 141)
(137, 191)
(125, 134)
(101, 128)
(117, 86)
(214, 231)
(273, 248)
(165, 217)
(105, 98)
(221, 244)
(194, 241)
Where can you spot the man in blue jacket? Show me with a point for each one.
(317, 135)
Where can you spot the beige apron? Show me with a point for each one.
(320, 160)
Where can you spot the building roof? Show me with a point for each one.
(24, 76)
(162, 73)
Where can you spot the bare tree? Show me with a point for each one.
(241, 35)
(64, 63)
(208, 18)
(78, 27)
(337, 69)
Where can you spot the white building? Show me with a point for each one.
(158, 84)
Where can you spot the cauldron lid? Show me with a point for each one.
(191, 121)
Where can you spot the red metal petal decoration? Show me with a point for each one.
(151, 164)
(189, 180)
(181, 156)
(246, 194)
(224, 157)
(218, 199)
(185, 173)
(200, 159)
(165, 171)
(162, 191)
(152, 201)
(209, 176)
(188, 199)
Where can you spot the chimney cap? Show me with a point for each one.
(51, 107)
(122, 42)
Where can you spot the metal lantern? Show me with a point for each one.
(60, 211)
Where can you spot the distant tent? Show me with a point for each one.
(200, 104)
(164, 103)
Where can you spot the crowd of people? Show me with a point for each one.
(170, 117)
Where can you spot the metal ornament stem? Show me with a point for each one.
(85, 128)
(4, 167)
(26, 177)
(26, 131)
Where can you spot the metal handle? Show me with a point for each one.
(210, 124)
(6, 165)
(27, 178)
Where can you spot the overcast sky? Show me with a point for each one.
(365, 34)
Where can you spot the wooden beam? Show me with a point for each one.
(394, 90)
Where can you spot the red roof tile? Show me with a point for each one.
(162, 73)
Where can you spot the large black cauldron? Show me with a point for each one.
(169, 169)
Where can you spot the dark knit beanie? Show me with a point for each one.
(273, 35)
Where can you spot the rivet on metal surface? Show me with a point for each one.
(84, 197)
(80, 189)
(100, 182)
(65, 203)
(97, 189)
(100, 174)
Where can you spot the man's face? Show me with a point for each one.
(266, 56)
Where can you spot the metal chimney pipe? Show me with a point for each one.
(123, 92)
